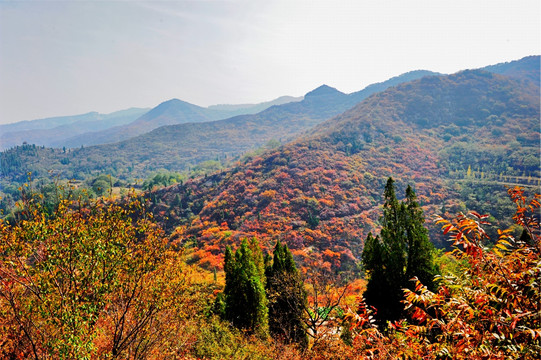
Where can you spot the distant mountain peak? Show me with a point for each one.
(172, 102)
(168, 106)
(323, 90)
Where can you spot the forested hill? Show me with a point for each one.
(499, 109)
(177, 147)
(457, 139)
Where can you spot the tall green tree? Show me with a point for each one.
(420, 251)
(245, 298)
(401, 251)
(287, 297)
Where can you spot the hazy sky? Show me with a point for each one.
(71, 57)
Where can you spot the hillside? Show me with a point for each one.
(457, 139)
(179, 147)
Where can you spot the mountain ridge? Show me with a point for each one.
(179, 147)
(255, 108)
(527, 68)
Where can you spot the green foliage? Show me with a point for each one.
(287, 297)
(218, 340)
(400, 253)
(102, 185)
(245, 299)
(161, 179)
(277, 307)
(420, 251)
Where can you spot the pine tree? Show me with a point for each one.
(245, 299)
(287, 297)
(401, 252)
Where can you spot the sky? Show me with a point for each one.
(71, 57)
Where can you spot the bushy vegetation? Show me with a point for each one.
(100, 281)
(89, 281)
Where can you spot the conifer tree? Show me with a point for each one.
(420, 262)
(401, 252)
(258, 259)
(287, 297)
(379, 285)
(245, 299)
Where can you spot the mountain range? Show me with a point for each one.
(178, 147)
(94, 128)
(53, 132)
(172, 112)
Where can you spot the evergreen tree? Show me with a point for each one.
(379, 285)
(257, 257)
(420, 262)
(287, 297)
(245, 299)
(401, 252)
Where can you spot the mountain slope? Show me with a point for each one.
(321, 194)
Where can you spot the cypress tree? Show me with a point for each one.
(401, 252)
(287, 297)
(378, 286)
(420, 250)
(245, 299)
(257, 257)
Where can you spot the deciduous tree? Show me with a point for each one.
(89, 280)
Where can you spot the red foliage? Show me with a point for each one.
(488, 309)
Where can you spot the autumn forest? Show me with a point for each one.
(397, 222)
